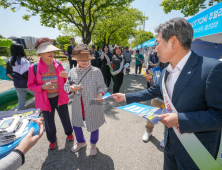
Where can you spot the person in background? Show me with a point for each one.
(100, 60)
(127, 55)
(70, 48)
(17, 70)
(139, 62)
(47, 79)
(86, 103)
(156, 102)
(95, 54)
(118, 62)
(105, 68)
(17, 157)
(153, 60)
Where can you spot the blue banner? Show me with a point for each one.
(208, 22)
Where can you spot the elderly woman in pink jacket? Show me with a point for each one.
(47, 79)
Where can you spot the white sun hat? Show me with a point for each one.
(46, 47)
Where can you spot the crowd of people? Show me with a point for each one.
(189, 85)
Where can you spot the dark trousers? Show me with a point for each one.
(148, 85)
(72, 63)
(106, 75)
(170, 161)
(140, 67)
(118, 81)
(49, 119)
(128, 68)
(80, 137)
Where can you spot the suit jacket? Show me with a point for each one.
(95, 62)
(197, 96)
(70, 52)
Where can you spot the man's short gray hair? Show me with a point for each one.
(178, 27)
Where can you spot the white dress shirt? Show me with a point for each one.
(174, 74)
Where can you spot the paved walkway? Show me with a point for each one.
(6, 85)
(120, 145)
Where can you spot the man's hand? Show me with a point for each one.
(29, 141)
(99, 97)
(74, 89)
(169, 119)
(148, 78)
(63, 74)
(153, 65)
(119, 97)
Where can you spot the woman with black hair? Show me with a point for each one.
(17, 70)
(118, 63)
(106, 58)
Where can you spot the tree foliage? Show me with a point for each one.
(83, 14)
(62, 41)
(114, 27)
(142, 37)
(187, 7)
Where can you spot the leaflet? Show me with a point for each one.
(147, 112)
(106, 96)
(8, 125)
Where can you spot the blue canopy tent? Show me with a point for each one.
(207, 28)
(152, 42)
(207, 49)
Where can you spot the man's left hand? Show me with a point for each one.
(169, 119)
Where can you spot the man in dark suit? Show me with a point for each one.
(70, 48)
(193, 87)
(95, 54)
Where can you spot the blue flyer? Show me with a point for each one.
(107, 96)
(156, 71)
(147, 112)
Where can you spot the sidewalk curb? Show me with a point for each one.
(32, 102)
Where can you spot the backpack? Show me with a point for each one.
(36, 65)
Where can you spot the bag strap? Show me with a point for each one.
(36, 65)
(84, 75)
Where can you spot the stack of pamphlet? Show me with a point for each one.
(14, 126)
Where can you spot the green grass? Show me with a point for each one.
(13, 103)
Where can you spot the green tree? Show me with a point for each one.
(142, 37)
(55, 43)
(1, 36)
(117, 26)
(83, 14)
(188, 7)
(114, 27)
(62, 41)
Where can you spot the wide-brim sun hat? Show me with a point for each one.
(82, 52)
(46, 47)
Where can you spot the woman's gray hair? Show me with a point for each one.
(178, 27)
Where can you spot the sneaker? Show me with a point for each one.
(146, 136)
(135, 74)
(78, 146)
(70, 137)
(162, 143)
(52, 145)
(93, 150)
